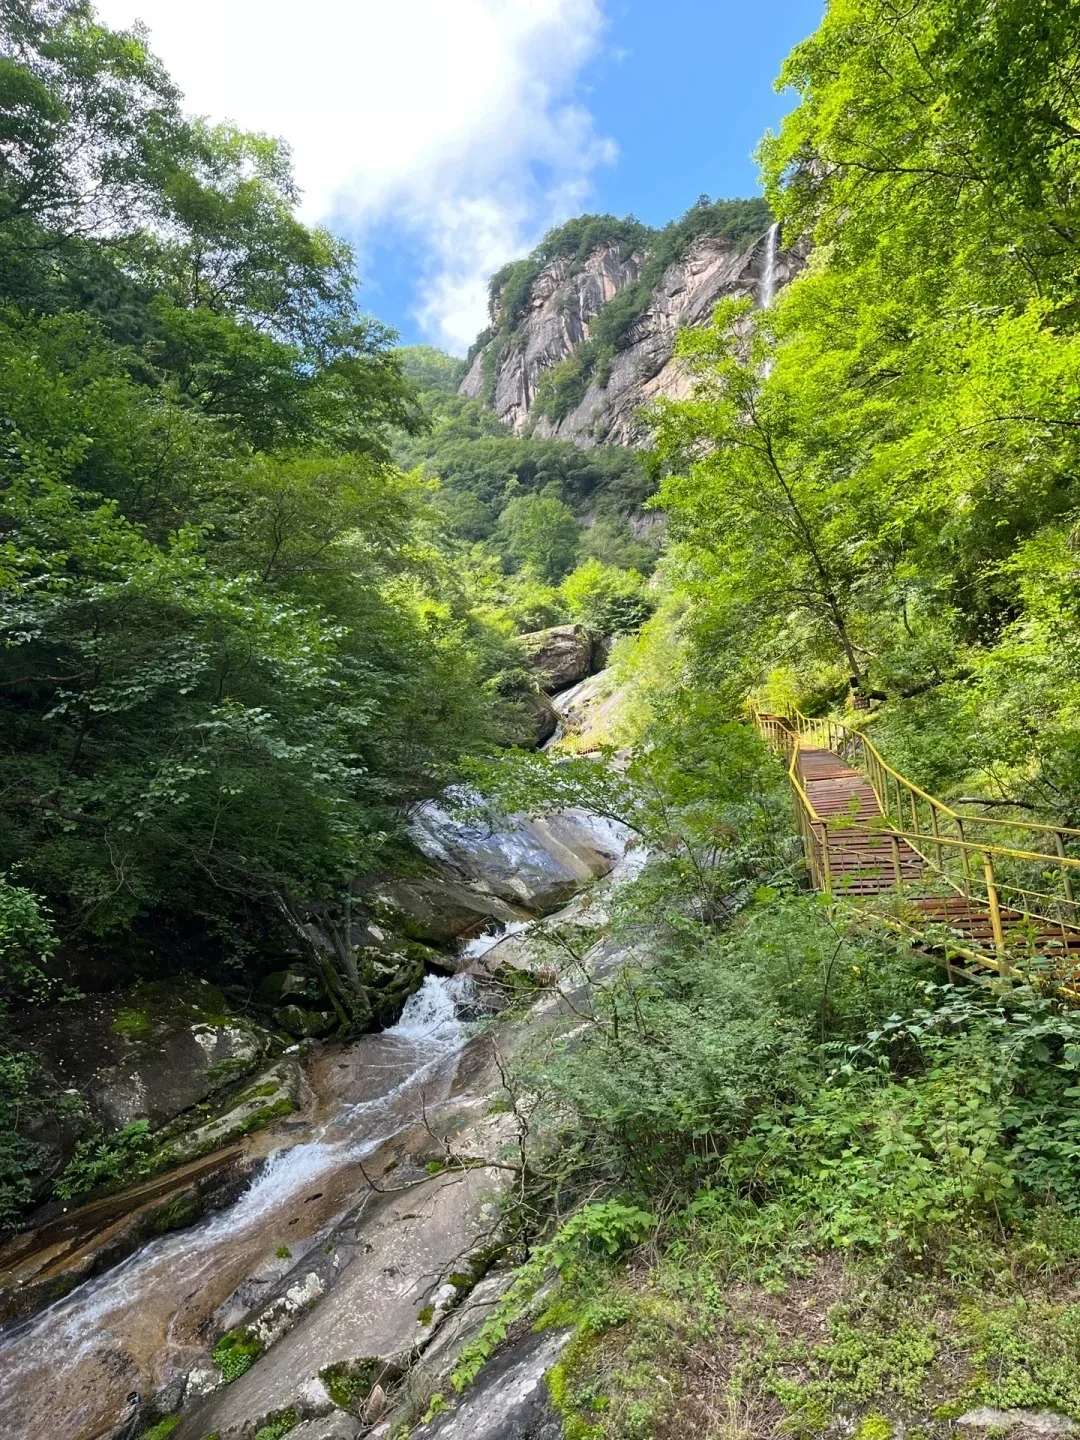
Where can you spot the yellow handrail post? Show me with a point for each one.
(898, 873)
(966, 859)
(995, 909)
(826, 863)
(914, 812)
(937, 835)
(1059, 845)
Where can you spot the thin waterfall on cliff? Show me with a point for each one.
(768, 275)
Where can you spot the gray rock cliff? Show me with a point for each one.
(563, 304)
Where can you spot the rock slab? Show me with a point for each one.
(510, 1400)
(559, 656)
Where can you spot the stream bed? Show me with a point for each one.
(70, 1369)
(325, 1254)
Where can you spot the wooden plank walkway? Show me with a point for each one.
(866, 858)
(861, 858)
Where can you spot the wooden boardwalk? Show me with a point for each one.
(856, 850)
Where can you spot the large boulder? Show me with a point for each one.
(533, 864)
(544, 718)
(559, 656)
(439, 912)
(148, 1053)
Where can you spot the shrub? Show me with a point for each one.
(103, 1160)
(608, 600)
(27, 942)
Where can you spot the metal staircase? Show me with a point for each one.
(991, 892)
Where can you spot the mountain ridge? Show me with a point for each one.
(581, 339)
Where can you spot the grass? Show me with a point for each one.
(673, 1346)
(235, 1353)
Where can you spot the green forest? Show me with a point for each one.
(262, 569)
(263, 574)
(830, 1191)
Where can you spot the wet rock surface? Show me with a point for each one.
(509, 1400)
(40, 1265)
(345, 1252)
(358, 1233)
(534, 864)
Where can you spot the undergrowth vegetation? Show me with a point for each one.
(859, 1181)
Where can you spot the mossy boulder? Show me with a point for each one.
(304, 1024)
(273, 1095)
(144, 1055)
(559, 656)
(283, 986)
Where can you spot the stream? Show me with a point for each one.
(82, 1367)
(62, 1372)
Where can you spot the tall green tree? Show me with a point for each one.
(540, 533)
(916, 388)
(232, 647)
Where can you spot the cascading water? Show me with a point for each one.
(768, 274)
(83, 1367)
(768, 282)
(68, 1371)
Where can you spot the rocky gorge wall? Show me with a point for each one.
(565, 301)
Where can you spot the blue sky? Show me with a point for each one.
(442, 137)
(690, 97)
(685, 91)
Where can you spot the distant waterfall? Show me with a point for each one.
(768, 274)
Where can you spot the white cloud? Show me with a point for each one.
(456, 120)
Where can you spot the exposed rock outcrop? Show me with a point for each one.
(438, 912)
(563, 302)
(559, 656)
(557, 321)
(535, 864)
(510, 1401)
(147, 1053)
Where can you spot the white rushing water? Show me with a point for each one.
(104, 1316)
(768, 274)
(74, 1370)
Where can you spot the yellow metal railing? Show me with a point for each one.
(1018, 872)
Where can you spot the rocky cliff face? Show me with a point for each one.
(565, 301)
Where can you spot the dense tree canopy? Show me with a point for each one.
(234, 643)
(884, 483)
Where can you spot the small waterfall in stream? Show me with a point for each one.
(89, 1361)
(60, 1370)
